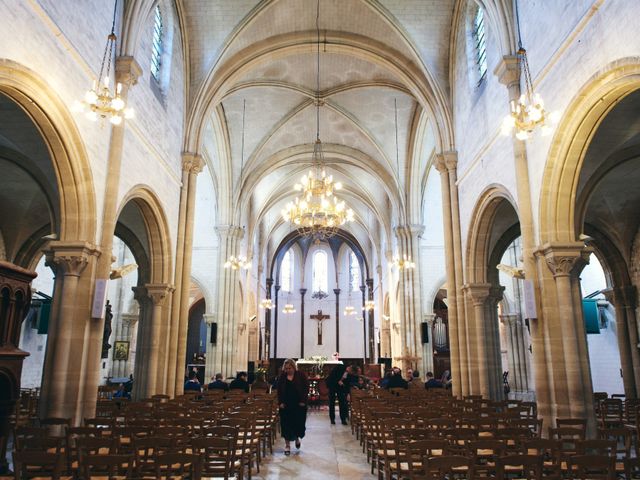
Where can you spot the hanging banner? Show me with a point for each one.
(99, 298)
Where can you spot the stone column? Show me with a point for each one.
(427, 348)
(302, 293)
(478, 333)
(128, 321)
(157, 293)
(267, 324)
(227, 305)
(459, 372)
(336, 291)
(193, 163)
(142, 364)
(566, 261)
(275, 325)
(624, 300)
(63, 375)
(516, 353)
(209, 371)
(127, 72)
(410, 306)
(371, 321)
(508, 73)
(493, 344)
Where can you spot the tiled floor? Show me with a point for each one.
(328, 452)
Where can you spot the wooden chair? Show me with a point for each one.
(450, 467)
(549, 451)
(522, 467)
(485, 453)
(622, 436)
(178, 466)
(592, 467)
(146, 451)
(56, 426)
(33, 464)
(632, 468)
(218, 456)
(111, 466)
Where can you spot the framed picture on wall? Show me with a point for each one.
(121, 350)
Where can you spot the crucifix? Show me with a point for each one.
(320, 318)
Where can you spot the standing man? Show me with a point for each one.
(338, 385)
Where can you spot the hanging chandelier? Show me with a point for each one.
(237, 263)
(528, 112)
(349, 310)
(266, 303)
(100, 101)
(317, 212)
(288, 308)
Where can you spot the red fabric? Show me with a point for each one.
(301, 383)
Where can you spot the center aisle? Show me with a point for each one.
(327, 452)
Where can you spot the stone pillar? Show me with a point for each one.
(142, 364)
(336, 291)
(478, 334)
(410, 306)
(193, 164)
(275, 325)
(303, 291)
(227, 306)
(516, 353)
(427, 348)
(369, 316)
(566, 261)
(127, 72)
(508, 73)
(624, 301)
(15, 299)
(267, 324)
(459, 372)
(493, 342)
(128, 320)
(63, 375)
(156, 372)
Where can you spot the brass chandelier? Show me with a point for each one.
(528, 113)
(100, 101)
(317, 212)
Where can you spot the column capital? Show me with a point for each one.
(229, 231)
(70, 258)
(158, 292)
(336, 291)
(430, 318)
(479, 292)
(303, 291)
(447, 161)
(130, 318)
(140, 294)
(408, 231)
(127, 70)
(209, 318)
(565, 259)
(496, 293)
(192, 162)
(269, 282)
(508, 319)
(508, 71)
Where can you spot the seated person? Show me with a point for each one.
(218, 383)
(240, 382)
(415, 380)
(121, 392)
(396, 380)
(192, 384)
(432, 382)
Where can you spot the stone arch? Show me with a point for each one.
(66, 149)
(157, 230)
(479, 238)
(589, 107)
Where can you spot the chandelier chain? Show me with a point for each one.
(318, 72)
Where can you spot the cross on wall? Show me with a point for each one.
(319, 317)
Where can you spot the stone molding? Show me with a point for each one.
(192, 162)
(508, 71)
(69, 258)
(158, 292)
(229, 231)
(127, 70)
(565, 259)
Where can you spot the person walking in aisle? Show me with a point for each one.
(293, 394)
(339, 386)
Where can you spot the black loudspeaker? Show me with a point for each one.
(425, 332)
(214, 333)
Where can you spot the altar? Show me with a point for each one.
(316, 368)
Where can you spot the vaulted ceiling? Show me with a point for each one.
(383, 91)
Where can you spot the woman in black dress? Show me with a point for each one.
(293, 393)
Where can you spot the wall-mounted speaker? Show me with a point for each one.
(214, 333)
(425, 332)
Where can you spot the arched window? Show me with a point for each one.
(480, 44)
(158, 46)
(320, 272)
(354, 273)
(286, 272)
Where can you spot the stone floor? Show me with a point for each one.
(327, 452)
